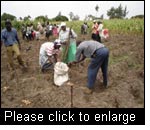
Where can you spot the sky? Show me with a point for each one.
(80, 8)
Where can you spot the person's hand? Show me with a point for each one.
(73, 62)
(65, 43)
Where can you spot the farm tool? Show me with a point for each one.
(71, 92)
(67, 46)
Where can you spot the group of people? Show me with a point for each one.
(98, 32)
(31, 33)
(27, 32)
(64, 49)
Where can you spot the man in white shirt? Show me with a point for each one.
(49, 54)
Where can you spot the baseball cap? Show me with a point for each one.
(57, 41)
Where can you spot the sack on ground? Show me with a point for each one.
(60, 73)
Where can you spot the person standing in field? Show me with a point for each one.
(99, 55)
(47, 34)
(85, 27)
(100, 30)
(29, 32)
(11, 41)
(23, 31)
(94, 31)
(55, 33)
(68, 38)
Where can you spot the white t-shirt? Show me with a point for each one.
(63, 35)
(100, 29)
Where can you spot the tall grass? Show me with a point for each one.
(115, 25)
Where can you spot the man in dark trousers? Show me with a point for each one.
(99, 55)
(10, 39)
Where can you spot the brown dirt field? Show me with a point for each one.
(34, 89)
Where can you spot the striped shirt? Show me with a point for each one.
(47, 49)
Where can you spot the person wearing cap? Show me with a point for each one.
(11, 41)
(68, 36)
(50, 53)
(99, 55)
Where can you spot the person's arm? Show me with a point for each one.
(51, 59)
(2, 39)
(57, 55)
(73, 34)
(81, 59)
(79, 53)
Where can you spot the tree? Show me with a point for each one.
(71, 15)
(91, 17)
(59, 14)
(111, 13)
(6, 16)
(102, 16)
(86, 18)
(27, 18)
(42, 18)
(97, 8)
(20, 18)
(60, 18)
(125, 12)
(119, 12)
(138, 16)
(76, 17)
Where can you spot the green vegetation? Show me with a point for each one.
(113, 25)
(119, 12)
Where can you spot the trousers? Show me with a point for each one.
(100, 60)
(10, 51)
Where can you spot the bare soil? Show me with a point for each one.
(34, 89)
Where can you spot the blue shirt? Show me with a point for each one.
(9, 38)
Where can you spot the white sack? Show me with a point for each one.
(60, 73)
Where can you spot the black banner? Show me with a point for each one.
(72, 116)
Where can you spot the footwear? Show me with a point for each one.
(105, 85)
(88, 91)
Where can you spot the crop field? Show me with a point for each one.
(34, 89)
